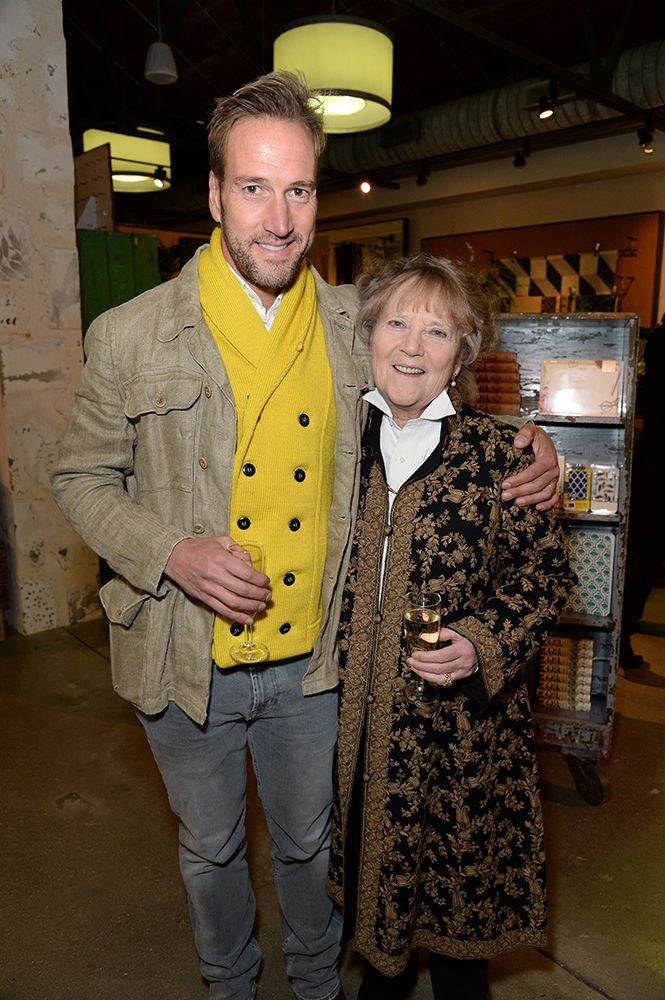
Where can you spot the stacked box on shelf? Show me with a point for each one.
(591, 554)
(498, 379)
(566, 667)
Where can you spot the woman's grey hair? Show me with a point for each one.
(280, 95)
(433, 280)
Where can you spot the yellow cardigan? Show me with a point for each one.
(284, 462)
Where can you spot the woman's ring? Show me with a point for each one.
(446, 680)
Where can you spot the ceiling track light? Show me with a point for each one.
(423, 174)
(545, 108)
(548, 102)
(159, 178)
(645, 135)
(368, 182)
(522, 155)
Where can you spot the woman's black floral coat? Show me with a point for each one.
(452, 846)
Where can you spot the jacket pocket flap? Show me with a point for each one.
(160, 393)
(121, 601)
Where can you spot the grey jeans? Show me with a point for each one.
(291, 739)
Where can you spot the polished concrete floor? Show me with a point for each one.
(91, 905)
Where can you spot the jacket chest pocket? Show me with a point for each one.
(164, 408)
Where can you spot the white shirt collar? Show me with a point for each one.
(267, 314)
(439, 408)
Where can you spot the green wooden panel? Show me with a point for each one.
(120, 254)
(94, 276)
(146, 268)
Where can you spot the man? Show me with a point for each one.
(227, 404)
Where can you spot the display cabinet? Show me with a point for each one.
(572, 684)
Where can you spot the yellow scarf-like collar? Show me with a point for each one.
(261, 358)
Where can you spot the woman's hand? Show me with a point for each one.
(536, 484)
(453, 662)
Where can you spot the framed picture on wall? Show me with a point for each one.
(340, 255)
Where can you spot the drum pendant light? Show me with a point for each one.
(347, 62)
(139, 163)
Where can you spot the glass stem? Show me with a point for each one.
(249, 635)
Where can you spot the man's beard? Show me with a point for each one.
(272, 276)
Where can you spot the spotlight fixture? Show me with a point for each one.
(545, 108)
(159, 178)
(548, 102)
(423, 174)
(645, 139)
(369, 182)
(522, 155)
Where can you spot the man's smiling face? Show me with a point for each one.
(266, 202)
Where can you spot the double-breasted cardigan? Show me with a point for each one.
(451, 844)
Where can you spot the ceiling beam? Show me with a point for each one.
(581, 84)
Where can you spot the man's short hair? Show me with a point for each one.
(280, 95)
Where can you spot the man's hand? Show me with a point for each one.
(213, 570)
(537, 484)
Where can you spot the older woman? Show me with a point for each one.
(437, 839)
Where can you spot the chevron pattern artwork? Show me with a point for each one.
(582, 274)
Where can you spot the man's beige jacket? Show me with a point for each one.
(147, 460)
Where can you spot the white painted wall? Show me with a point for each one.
(53, 576)
(589, 180)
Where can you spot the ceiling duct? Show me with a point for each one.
(497, 116)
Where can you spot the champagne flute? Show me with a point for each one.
(422, 621)
(249, 651)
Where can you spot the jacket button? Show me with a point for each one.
(289, 579)
(248, 469)
(387, 530)
(243, 523)
(303, 420)
(160, 399)
(285, 628)
(198, 529)
(236, 629)
(203, 463)
(207, 391)
(378, 619)
(365, 777)
(294, 524)
(299, 475)
(370, 699)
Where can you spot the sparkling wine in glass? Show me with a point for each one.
(422, 621)
(249, 651)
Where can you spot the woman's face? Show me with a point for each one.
(415, 352)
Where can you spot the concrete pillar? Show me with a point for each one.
(52, 576)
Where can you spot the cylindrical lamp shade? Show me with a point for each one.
(134, 160)
(160, 67)
(347, 62)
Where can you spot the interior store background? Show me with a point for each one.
(601, 189)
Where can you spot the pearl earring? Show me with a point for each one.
(453, 382)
